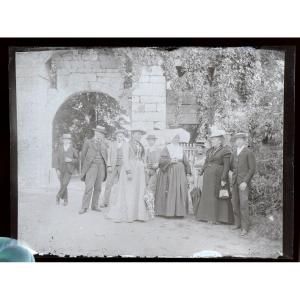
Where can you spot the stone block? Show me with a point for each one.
(144, 79)
(150, 107)
(150, 89)
(188, 118)
(189, 109)
(89, 55)
(157, 79)
(156, 70)
(161, 107)
(138, 107)
(153, 99)
(108, 61)
(171, 109)
(188, 98)
(67, 56)
(149, 116)
(75, 77)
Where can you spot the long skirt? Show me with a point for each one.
(127, 196)
(171, 197)
(211, 208)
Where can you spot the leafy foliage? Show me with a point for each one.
(82, 112)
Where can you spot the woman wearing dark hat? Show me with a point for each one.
(127, 196)
(215, 176)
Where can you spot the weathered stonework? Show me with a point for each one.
(46, 79)
(149, 97)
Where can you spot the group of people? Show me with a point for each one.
(145, 181)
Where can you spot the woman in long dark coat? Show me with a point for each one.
(171, 196)
(215, 169)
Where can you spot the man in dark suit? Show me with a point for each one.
(66, 159)
(94, 162)
(243, 166)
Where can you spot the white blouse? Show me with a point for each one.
(175, 151)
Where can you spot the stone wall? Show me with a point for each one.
(46, 79)
(149, 99)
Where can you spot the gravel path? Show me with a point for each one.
(60, 230)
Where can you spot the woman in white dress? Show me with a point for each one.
(127, 196)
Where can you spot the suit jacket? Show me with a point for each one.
(112, 154)
(219, 156)
(89, 153)
(243, 166)
(64, 166)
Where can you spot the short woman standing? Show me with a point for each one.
(171, 197)
(215, 174)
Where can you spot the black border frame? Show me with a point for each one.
(9, 211)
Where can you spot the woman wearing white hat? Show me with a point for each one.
(215, 171)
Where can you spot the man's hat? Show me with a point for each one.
(100, 129)
(151, 137)
(120, 131)
(241, 135)
(217, 133)
(67, 136)
(138, 129)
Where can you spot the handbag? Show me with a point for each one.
(223, 194)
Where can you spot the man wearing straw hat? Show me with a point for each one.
(94, 161)
(242, 164)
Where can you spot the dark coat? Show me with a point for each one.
(89, 153)
(215, 169)
(64, 166)
(171, 196)
(243, 166)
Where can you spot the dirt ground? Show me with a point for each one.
(60, 230)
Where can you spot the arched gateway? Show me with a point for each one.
(46, 80)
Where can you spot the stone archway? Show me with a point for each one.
(80, 113)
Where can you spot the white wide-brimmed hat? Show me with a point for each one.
(67, 136)
(217, 133)
(100, 129)
(138, 129)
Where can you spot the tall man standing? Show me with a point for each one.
(94, 161)
(243, 166)
(65, 164)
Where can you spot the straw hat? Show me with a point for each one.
(242, 135)
(217, 133)
(100, 129)
(151, 137)
(67, 136)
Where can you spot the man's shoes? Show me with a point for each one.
(82, 211)
(57, 200)
(96, 209)
(244, 232)
(236, 227)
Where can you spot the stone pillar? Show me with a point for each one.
(31, 85)
(149, 99)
